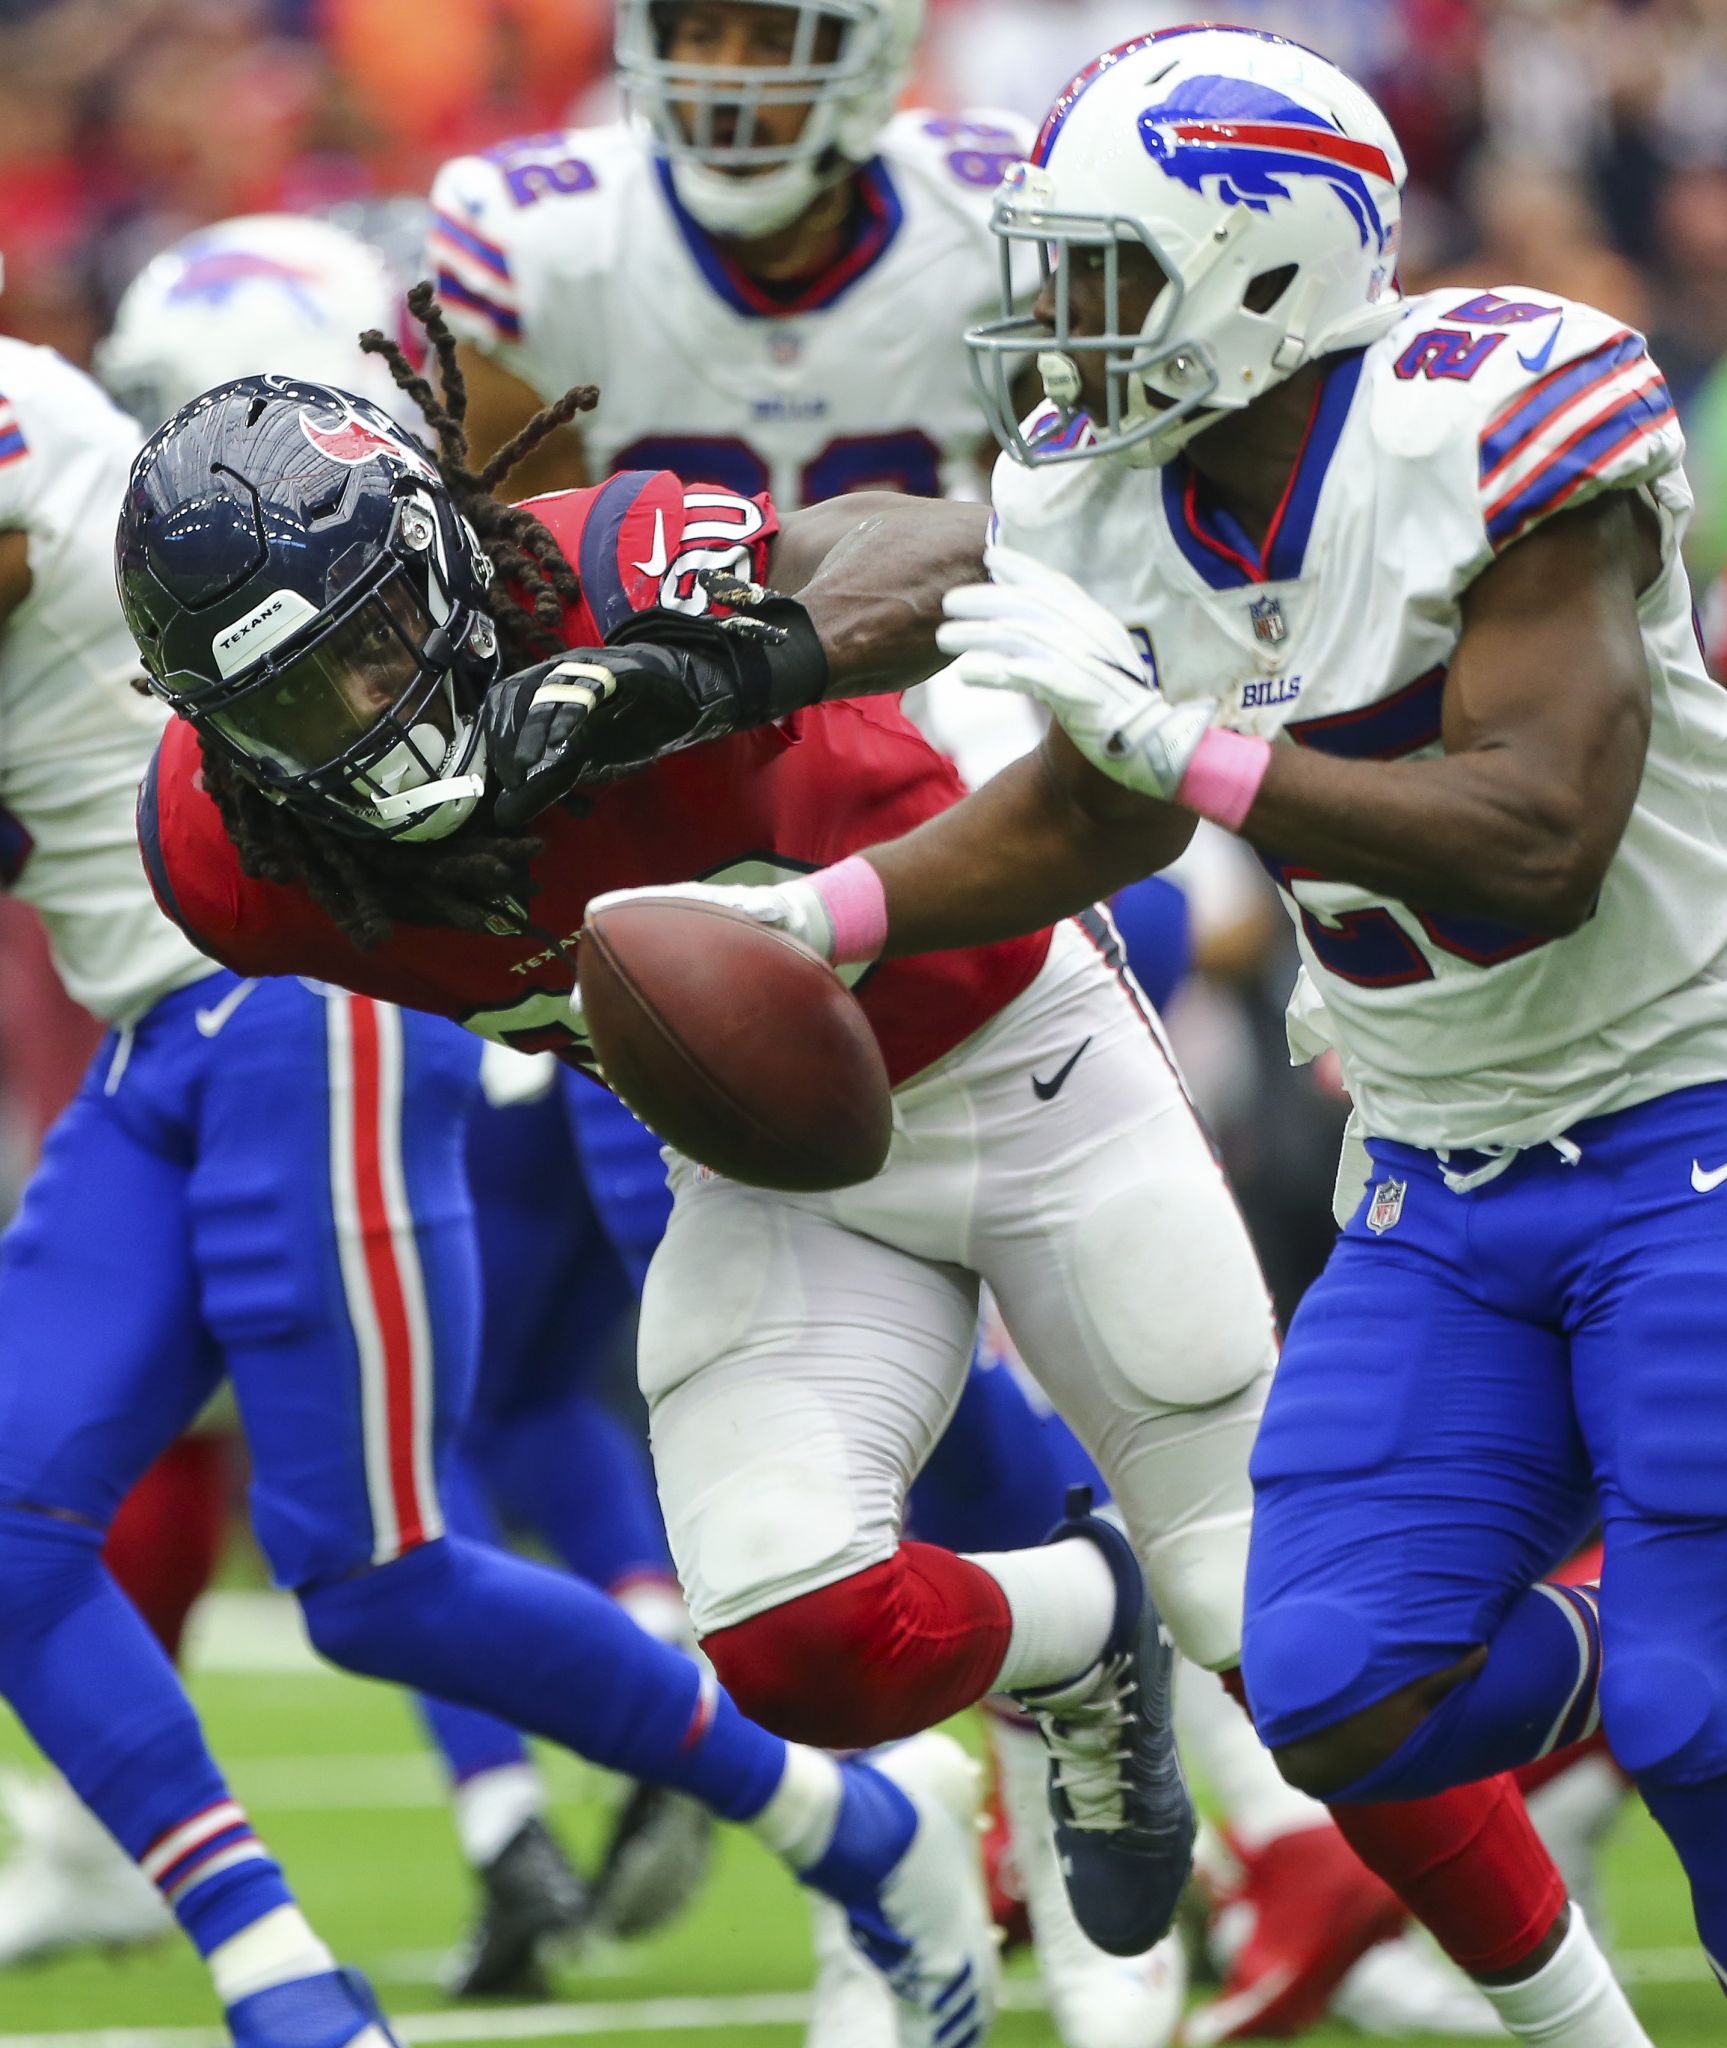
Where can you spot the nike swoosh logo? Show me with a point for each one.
(1539, 360)
(210, 1021)
(1047, 1091)
(1707, 1183)
(659, 558)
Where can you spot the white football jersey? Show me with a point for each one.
(75, 737)
(569, 259)
(1479, 415)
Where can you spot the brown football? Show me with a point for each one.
(735, 1044)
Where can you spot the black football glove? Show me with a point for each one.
(665, 680)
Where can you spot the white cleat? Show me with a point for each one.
(851, 2004)
(1406, 1987)
(1096, 2000)
(68, 1884)
(926, 1925)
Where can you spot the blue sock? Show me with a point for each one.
(546, 1653)
(999, 1476)
(1694, 1818)
(104, 1705)
(1539, 1691)
(572, 1472)
(469, 1742)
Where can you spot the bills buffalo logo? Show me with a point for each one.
(1254, 141)
(212, 275)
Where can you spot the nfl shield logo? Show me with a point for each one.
(1269, 623)
(1386, 1206)
(785, 346)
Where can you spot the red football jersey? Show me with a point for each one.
(756, 807)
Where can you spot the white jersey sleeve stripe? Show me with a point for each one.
(1585, 454)
(1530, 412)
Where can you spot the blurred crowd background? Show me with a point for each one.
(1578, 146)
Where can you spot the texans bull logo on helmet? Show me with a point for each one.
(1250, 138)
(349, 439)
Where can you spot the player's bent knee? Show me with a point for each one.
(872, 1658)
(48, 1563)
(1303, 1661)
(1666, 1717)
(376, 1621)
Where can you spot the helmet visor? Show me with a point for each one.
(354, 692)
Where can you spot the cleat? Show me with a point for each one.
(1095, 2000)
(1124, 1821)
(1406, 1987)
(333, 2010)
(923, 1922)
(1291, 1919)
(851, 2003)
(654, 1864)
(68, 1884)
(531, 1900)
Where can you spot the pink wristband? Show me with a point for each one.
(1223, 777)
(856, 903)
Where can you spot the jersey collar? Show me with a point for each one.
(1213, 540)
(874, 222)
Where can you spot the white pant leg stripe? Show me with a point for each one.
(345, 1146)
(1583, 1660)
(410, 1275)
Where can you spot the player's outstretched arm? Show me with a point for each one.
(854, 609)
(1046, 837)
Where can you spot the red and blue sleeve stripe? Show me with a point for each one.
(474, 273)
(12, 441)
(598, 564)
(1599, 440)
(1517, 423)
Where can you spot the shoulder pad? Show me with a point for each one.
(1540, 401)
(504, 216)
(961, 157)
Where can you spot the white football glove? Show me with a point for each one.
(793, 907)
(1035, 630)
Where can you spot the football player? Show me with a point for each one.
(765, 271)
(1393, 589)
(190, 1218)
(788, 1550)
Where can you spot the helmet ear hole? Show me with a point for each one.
(1268, 287)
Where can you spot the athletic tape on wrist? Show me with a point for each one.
(856, 904)
(1223, 777)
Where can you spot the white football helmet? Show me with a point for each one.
(724, 175)
(264, 292)
(1267, 186)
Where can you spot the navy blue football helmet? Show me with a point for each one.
(303, 589)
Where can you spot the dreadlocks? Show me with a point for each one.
(475, 878)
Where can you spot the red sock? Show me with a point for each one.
(1469, 1866)
(163, 1544)
(873, 1657)
(1467, 1863)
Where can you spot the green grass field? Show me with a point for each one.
(337, 1782)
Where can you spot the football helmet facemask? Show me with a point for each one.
(847, 61)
